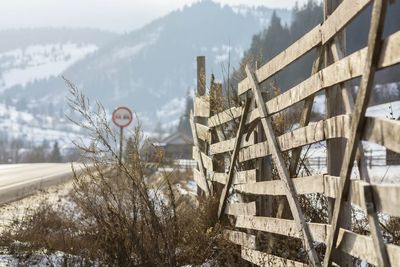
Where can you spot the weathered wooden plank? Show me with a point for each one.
(227, 145)
(225, 190)
(241, 209)
(219, 177)
(342, 15)
(335, 127)
(224, 116)
(201, 75)
(207, 161)
(280, 226)
(304, 121)
(377, 130)
(318, 35)
(203, 133)
(303, 185)
(284, 175)
(383, 194)
(264, 259)
(242, 177)
(356, 245)
(241, 239)
(197, 155)
(343, 70)
(202, 106)
(360, 246)
(376, 234)
(384, 132)
(199, 179)
(358, 119)
(292, 53)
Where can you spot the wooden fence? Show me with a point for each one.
(247, 194)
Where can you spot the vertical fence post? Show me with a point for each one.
(334, 107)
(201, 75)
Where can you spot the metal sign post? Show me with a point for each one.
(122, 117)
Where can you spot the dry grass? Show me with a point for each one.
(121, 215)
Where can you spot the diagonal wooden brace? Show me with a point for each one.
(379, 244)
(357, 121)
(291, 194)
(196, 143)
(235, 153)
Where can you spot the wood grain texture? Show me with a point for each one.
(238, 209)
(358, 119)
(321, 34)
(225, 190)
(202, 106)
(203, 132)
(291, 193)
(264, 259)
(242, 239)
(303, 185)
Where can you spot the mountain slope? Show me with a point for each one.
(151, 69)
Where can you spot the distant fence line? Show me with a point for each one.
(242, 164)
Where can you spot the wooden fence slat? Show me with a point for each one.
(383, 194)
(321, 34)
(241, 239)
(264, 259)
(197, 154)
(203, 133)
(303, 185)
(329, 186)
(241, 177)
(292, 53)
(356, 245)
(240, 209)
(227, 145)
(244, 177)
(207, 161)
(359, 246)
(224, 116)
(225, 190)
(377, 130)
(304, 118)
(358, 118)
(342, 15)
(345, 69)
(282, 170)
(280, 226)
(202, 106)
(384, 132)
(376, 234)
(199, 179)
(335, 127)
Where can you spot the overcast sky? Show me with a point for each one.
(114, 15)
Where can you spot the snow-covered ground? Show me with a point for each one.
(379, 172)
(34, 128)
(36, 62)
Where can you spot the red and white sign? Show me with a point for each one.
(122, 117)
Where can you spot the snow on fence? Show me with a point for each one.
(256, 142)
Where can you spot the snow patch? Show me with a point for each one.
(36, 62)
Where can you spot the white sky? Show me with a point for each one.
(114, 15)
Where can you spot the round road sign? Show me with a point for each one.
(122, 116)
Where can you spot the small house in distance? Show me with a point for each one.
(177, 146)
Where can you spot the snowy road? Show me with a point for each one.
(20, 180)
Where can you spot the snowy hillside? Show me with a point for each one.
(152, 69)
(36, 62)
(33, 129)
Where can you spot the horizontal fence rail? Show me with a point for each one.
(254, 169)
